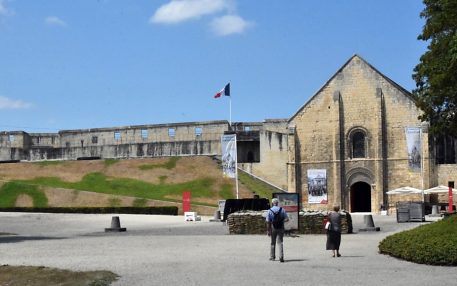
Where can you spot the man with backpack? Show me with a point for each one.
(275, 228)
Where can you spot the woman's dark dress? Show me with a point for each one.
(334, 234)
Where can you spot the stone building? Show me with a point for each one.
(353, 133)
(348, 144)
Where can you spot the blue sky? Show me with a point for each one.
(106, 63)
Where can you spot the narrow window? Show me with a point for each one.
(53, 140)
(67, 144)
(358, 145)
(11, 138)
(82, 143)
(94, 139)
(144, 133)
(198, 131)
(117, 135)
(171, 132)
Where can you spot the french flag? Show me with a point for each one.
(225, 91)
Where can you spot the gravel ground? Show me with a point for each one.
(166, 250)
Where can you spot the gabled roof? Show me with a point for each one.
(404, 91)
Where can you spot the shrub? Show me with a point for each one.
(172, 210)
(433, 244)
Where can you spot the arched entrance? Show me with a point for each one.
(360, 197)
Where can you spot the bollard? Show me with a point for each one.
(115, 225)
(435, 211)
(368, 220)
(217, 216)
(369, 224)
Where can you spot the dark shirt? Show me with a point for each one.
(335, 220)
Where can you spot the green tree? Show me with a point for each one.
(436, 74)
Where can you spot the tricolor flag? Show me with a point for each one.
(225, 91)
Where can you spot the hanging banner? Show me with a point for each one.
(413, 143)
(229, 155)
(185, 202)
(317, 186)
(289, 202)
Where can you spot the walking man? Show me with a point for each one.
(275, 229)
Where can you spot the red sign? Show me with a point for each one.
(186, 202)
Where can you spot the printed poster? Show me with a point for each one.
(289, 202)
(414, 143)
(317, 186)
(229, 159)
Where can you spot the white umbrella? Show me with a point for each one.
(404, 190)
(439, 189)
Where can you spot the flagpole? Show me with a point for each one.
(422, 164)
(230, 108)
(236, 171)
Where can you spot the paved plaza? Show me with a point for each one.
(166, 250)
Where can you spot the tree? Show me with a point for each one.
(436, 74)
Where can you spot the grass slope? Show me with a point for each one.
(98, 182)
(158, 179)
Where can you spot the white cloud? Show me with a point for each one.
(55, 21)
(4, 11)
(230, 24)
(178, 11)
(6, 103)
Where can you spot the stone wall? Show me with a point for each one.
(356, 99)
(310, 222)
(273, 159)
(446, 173)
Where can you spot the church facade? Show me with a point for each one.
(357, 138)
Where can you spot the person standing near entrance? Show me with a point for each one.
(334, 232)
(275, 229)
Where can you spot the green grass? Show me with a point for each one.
(226, 192)
(11, 190)
(98, 182)
(434, 244)
(170, 164)
(257, 187)
(109, 162)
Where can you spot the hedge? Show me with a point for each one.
(171, 210)
(433, 244)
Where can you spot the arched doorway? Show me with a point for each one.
(360, 197)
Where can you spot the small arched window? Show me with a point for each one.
(358, 144)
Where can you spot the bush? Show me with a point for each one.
(99, 210)
(433, 244)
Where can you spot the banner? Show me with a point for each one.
(413, 143)
(185, 202)
(289, 202)
(317, 186)
(229, 155)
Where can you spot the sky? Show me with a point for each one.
(90, 64)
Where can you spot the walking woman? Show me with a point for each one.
(334, 232)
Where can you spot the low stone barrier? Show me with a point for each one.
(309, 222)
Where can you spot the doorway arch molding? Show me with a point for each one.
(359, 175)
